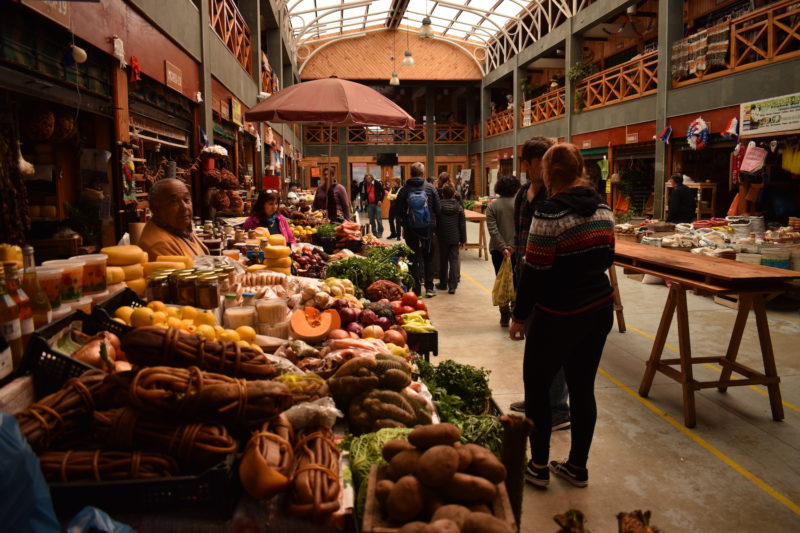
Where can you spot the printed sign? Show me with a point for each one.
(772, 115)
(632, 138)
(236, 111)
(586, 144)
(526, 114)
(224, 110)
(174, 76)
(55, 10)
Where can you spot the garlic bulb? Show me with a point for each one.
(26, 169)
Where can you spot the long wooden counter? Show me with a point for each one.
(753, 284)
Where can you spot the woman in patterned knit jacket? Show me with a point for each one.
(565, 290)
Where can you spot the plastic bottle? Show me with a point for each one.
(23, 302)
(10, 325)
(42, 312)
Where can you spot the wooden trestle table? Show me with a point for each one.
(753, 284)
(483, 244)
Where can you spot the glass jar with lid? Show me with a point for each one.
(158, 288)
(187, 290)
(208, 291)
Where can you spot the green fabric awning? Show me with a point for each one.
(595, 151)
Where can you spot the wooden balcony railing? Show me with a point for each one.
(450, 133)
(320, 135)
(475, 132)
(545, 107)
(769, 34)
(232, 29)
(501, 122)
(633, 79)
(378, 135)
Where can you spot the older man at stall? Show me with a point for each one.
(169, 231)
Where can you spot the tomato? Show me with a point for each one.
(421, 306)
(396, 305)
(409, 299)
(406, 309)
(384, 300)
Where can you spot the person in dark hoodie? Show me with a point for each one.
(418, 206)
(565, 290)
(451, 231)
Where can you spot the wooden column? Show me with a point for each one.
(119, 88)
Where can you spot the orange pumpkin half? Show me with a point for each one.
(311, 325)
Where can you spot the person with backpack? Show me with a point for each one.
(418, 206)
(452, 234)
(372, 197)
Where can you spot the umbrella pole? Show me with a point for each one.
(330, 147)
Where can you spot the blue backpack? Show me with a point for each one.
(419, 215)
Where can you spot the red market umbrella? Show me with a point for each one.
(331, 101)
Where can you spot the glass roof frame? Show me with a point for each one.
(474, 22)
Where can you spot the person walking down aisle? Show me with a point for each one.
(681, 201)
(564, 290)
(332, 197)
(418, 206)
(372, 197)
(451, 231)
(502, 231)
(528, 198)
(394, 218)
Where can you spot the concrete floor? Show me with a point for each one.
(736, 471)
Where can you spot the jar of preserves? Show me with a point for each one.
(208, 291)
(158, 288)
(187, 290)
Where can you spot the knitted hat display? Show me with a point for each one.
(697, 136)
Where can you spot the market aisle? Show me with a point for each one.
(736, 471)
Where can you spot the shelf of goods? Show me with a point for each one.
(192, 410)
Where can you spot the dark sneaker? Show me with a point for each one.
(451, 291)
(561, 425)
(518, 407)
(538, 477)
(577, 476)
(430, 293)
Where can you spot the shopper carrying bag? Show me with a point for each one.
(503, 292)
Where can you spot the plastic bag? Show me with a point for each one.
(25, 503)
(93, 519)
(320, 413)
(503, 291)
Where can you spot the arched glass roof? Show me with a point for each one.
(465, 20)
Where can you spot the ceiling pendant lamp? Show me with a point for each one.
(394, 80)
(425, 31)
(408, 59)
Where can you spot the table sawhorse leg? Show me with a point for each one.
(770, 370)
(612, 275)
(483, 247)
(658, 345)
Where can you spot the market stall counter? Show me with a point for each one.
(753, 284)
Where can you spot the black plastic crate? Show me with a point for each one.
(49, 367)
(424, 344)
(212, 493)
(103, 312)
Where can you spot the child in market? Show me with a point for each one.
(452, 234)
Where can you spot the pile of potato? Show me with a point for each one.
(433, 478)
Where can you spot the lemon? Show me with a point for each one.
(159, 317)
(174, 322)
(307, 228)
(173, 312)
(187, 311)
(256, 347)
(191, 328)
(246, 333)
(244, 343)
(219, 329)
(157, 306)
(186, 322)
(118, 319)
(229, 336)
(205, 317)
(142, 316)
(207, 331)
(124, 313)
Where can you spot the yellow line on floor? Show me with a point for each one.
(712, 367)
(476, 282)
(758, 482)
(785, 317)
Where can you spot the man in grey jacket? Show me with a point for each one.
(502, 230)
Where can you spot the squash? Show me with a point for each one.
(133, 271)
(114, 275)
(277, 240)
(137, 285)
(277, 252)
(151, 267)
(284, 262)
(123, 255)
(186, 260)
(311, 325)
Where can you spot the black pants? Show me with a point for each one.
(576, 343)
(449, 265)
(421, 242)
(394, 224)
(497, 260)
